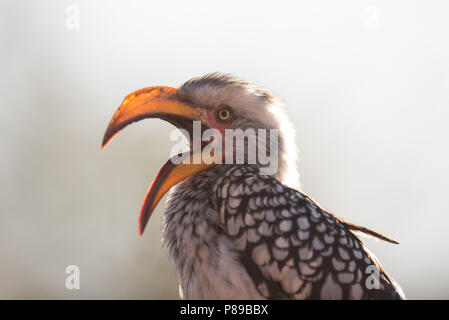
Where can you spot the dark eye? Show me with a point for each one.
(224, 114)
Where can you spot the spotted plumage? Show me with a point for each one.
(282, 243)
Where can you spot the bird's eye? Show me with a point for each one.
(224, 114)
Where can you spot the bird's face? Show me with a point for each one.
(219, 102)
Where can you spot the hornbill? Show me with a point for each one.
(234, 233)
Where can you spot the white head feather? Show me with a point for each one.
(255, 108)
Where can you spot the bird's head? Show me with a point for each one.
(220, 102)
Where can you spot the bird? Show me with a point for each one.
(234, 233)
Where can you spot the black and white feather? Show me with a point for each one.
(236, 234)
(290, 247)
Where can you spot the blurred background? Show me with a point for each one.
(366, 84)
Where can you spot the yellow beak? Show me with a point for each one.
(168, 104)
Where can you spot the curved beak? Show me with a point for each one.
(153, 102)
(168, 104)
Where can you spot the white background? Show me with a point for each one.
(366, 84)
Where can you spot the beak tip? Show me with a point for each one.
(103, 144)
(140, 229)
(109, 134)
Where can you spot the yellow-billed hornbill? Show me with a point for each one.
(234, 233)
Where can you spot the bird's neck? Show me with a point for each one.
(189, 223)
(204, 257)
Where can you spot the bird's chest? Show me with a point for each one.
(204, 257)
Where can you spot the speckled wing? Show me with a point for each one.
(292, 248)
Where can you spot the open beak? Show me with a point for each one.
(168, 104)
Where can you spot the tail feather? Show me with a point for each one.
(369, 232)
